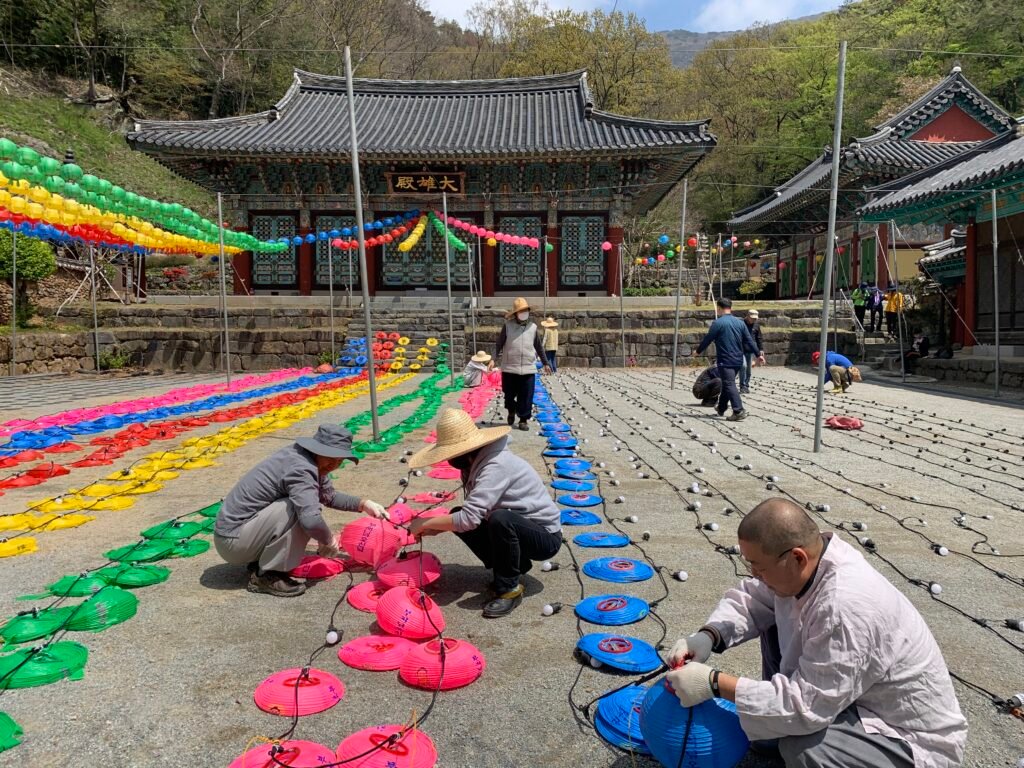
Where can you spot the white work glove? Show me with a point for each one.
(330, 549)
(691, 683)
(373, 509)
(695, 647)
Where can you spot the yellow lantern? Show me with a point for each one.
(18, 204)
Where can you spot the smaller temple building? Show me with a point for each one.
(528, 156)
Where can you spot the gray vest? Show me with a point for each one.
(518, 354)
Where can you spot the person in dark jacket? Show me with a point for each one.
(708, 386)
(918, 349)
(876, 303)
(519, 345)
(748, 357)
(731, 338)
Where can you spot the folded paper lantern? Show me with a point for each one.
(295, 691)
(442, 663)
(414, 570)
(375, 652)
(629, 654)
(714, 738)
(601, 539)
(579, 500)
(612, 610)
(579, 517)
(387, 746)
(316, 567)
(617, 719)
(105, 608)
(407, 612)
(364, 597)
(371, 541)
(618, 569)
(30, 667)
(294, 754)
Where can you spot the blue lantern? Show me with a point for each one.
(346, 232)
(378, 225)
(333, 234)
(388, 222)
(296, 240)
(321, 235)
(310, 238)
(663, 239)
(714, 738)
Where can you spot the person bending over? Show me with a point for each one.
(507, 519)
(270, 515)
(851, 675)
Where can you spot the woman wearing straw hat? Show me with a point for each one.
(473, 376)
(550, 326)
(518, 346)
(507, 519)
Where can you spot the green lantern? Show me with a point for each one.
(89, 182)
(49, 166)
(70, 172)
(71, 189)
(27, 156)
(12, 169)
(33, 174)
(7, 149)
(103, 186)
(54, 185)
(548, 247)
(117, 194)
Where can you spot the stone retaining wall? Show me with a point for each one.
(978, 371)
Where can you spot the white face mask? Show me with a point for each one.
(522, 316)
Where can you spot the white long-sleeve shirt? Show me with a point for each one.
(852, 638)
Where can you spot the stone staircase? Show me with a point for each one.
(419, 321)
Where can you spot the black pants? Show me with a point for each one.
(508, 542)
(708, 394)
(876, 319)
(891, 323)
(729, 395)
(859, 312)
(518, 391)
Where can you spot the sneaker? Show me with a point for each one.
(524, 426)
(720, 413)
(837, 390)
(504, 604)
(275, 583)
(737, 416)
(511, 418)
(744, 390)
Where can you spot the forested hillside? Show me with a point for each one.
(769, 90)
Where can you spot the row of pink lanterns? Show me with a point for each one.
(473, 229)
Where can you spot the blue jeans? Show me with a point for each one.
(551, 354)
(730, 394)
(748, 364)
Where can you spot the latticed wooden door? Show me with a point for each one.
(520, 266)
(423, 266)
(868, 260)
(343, 260)
(274, 270)
(582, 260)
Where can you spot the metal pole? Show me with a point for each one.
(472, 299)
(899, 315)
(364, 281)
(330, 293)
(837, 133)
(448, 284)
(721, 267)
(679, 283)
(95, 320)
(995, 283)
(14, 300)
(622, 309)
(223, 288)
(711, 282)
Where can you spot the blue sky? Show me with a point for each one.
(695, 15)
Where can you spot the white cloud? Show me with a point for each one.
(457, 9)
(719, 15)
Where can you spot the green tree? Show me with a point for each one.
(36, 261)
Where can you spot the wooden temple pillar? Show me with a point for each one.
(551, 259)
(612, 260)
(241, 267)
(854, 260)
(970, 284)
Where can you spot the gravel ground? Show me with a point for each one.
(174, 685)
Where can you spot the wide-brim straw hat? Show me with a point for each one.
(549, 322)
(481, 357)
(752, 313)
(518, 305)
(456, 434)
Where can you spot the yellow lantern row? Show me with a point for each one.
(415, 234)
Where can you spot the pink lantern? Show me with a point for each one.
(450, 220)
(474, 230)
(534, 242)
(746, 243)
(489, 233)
(661, 257)
(734, 238)
(336, 242)
(606, 246)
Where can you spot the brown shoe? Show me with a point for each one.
(275, 583)
(504, 604)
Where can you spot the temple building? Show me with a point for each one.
(947, 123)
(524, 156)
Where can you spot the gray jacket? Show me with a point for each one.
(499, 479)
(518, 346)
(290, 474)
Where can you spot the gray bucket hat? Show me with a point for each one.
(332, 441)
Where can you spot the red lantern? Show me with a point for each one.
(692, 242)
(387, 238)
(783, 265)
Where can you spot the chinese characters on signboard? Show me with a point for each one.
(426, 183)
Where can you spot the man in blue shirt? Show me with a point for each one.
(838, 368)
(732, 338)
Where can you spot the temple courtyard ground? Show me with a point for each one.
(174, 685)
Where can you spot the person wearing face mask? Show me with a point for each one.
(270, 515)
(851, 675)
(519, 345)
(507, 519)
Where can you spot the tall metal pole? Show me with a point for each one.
(448, 284)
(14, 300)
(995, 283)
(899, 292)
(330, 294)
(679, 284)
(837, 133)
(364, 281)
(95, 319)
(223, 288)
(472, 299)
(622, 309)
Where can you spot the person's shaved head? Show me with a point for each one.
(778, 524)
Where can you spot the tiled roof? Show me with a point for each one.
(967, 178)
(547, 115)
(884, 154)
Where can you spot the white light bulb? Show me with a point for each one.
(620, 499)
(332, 638)
(546, 566)
(633, 519)
(942, 551)
(935, 588)
(614, 482)
(595, 663)
(681, 575)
